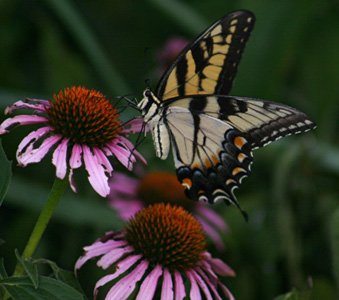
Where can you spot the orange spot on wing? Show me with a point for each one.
(239, 141)
(237, 170)
(215, 159)
(208, 163)
(187, 183)
(195, 166)
(241, 157)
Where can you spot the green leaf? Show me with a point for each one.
(49, 288)
(295, 295)
(61, 274)
(30, 269)
(335, 244)
(3, 272)
(5, 174)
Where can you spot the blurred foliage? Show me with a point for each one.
(292, 57)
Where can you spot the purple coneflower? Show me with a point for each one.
(161, 254)
(128, 195)
(80, 126)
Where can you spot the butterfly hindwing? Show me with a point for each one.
(262, 121)
(211, 159)
(213, 138)
(209, 64)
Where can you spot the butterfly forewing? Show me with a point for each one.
(208, 66)
(262, 121)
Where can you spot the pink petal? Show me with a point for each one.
(149, 284)
(134, 126)
(32, 156)
(212, 234)
(72, 182)
(97, 177)
(114, 255)
(202, 285)
(123, 155)
(227, 292)
(131, 147)
(126, 185)
(126, 285)
(31, 138)
(167, 286)
(33, 104)
(211, 284)
(180, 292)
(195, 292)
(219, 266)
(212, 217)
(74, 163)
(59, 159)
(96, 249)
(75, 160)
(102, 159)
(124, 265)
(21, 120)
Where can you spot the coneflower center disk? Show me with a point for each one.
(167, 235)
(84, 116)
(163, 187)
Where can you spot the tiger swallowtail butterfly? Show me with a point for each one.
(211, 133)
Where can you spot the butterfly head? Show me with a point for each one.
(149, 105)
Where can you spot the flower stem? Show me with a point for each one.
(57, 190)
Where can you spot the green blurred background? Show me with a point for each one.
(292, 238)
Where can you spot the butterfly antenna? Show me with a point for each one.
(131, 103)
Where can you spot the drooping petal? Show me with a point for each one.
(180, 292)
(35, 155)
(97, 177)
(74, 163)
(59, 159)
(127, 284)
(102, 159)
(167, 286)
(219, 266)
(122, 267)
(212, 217)
(33, 104)
(75, 160)
(112, 256)
(149, 284)
(211, 284)
(202, 285)
(131, 147)
(227, 292)
(6, 125)
(28, 141)
(122, 154)
(96, 249)
(212, 233)
(194, 292)
(134, 126)
(126, 185)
